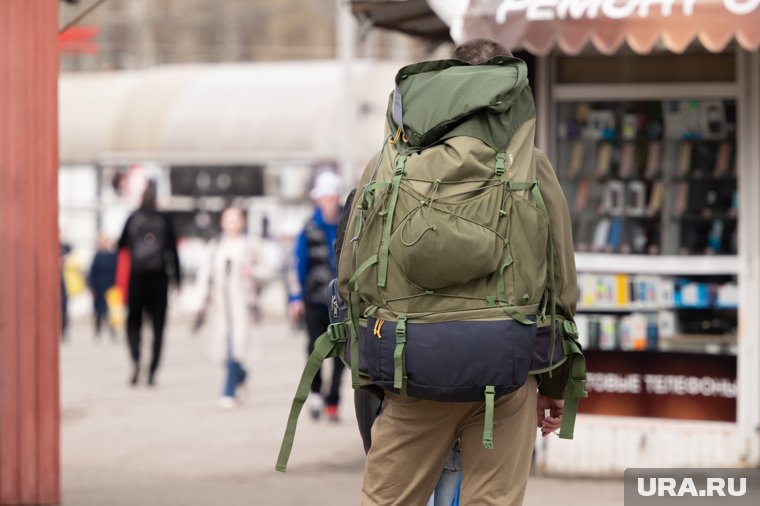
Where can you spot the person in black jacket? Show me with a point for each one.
(149, 236)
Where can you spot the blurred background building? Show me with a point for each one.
(138, 34)
(232, 101)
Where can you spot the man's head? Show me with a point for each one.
(326, 194)
(477, 51)
(233, 222)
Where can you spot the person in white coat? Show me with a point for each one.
(226, 288)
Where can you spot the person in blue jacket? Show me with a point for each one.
(102, 276)
(313, 268)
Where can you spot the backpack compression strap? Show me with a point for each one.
(327, 345)
(382, 269)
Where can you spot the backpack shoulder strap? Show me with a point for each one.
(330, 344)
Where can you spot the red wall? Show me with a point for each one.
(29, 273)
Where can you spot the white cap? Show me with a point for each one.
(326, 184)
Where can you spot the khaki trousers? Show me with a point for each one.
(412, 438)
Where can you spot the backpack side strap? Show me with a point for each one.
(327, 345)
(575, 388)
(382, 269)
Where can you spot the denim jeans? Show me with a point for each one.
(235, 376)
(447, 490)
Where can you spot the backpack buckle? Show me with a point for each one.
(338, 332)
(501, 163)
(400, 165)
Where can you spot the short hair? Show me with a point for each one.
(477, 51)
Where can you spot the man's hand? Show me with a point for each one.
(296, 310)
(549, 424)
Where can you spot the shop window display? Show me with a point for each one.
(656, 179)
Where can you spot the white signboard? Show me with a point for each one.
(548, 10)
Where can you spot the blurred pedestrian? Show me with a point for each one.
(149, 236)
(314, 266)
(63, 251)
(226, 288)
(101, 278)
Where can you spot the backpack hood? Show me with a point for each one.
(439, 99)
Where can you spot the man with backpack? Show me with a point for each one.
(152, 244)
(412, 437)
(459, 276)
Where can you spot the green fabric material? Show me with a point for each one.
(552, 291)
(488, 423)
(355, 312)
(399, 373)
(354, 306)
(570, 328)
(538, 199)
(354, 281)
(575, 388)
(543, 374)
(368, 194)
(501, 290)
(516, 315)
(525, 185)
(440, 242)
(327, 345)
(444, 208)
(456, 113)
(501, 159)
(565, 279)
(339, 332)
(553, 385)
(382, 270)
(449, 98)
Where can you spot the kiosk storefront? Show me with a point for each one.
(650, 111)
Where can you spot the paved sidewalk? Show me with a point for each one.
(172, 445)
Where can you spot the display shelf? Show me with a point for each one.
(650, 176)
(603, 308)
(677, 265)
(653, 190)
(632, 308)
(698, 343)
(693, 217)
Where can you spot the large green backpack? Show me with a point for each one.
(447, 264)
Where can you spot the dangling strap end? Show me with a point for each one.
(399, 381)
(488, 423)
(488, 440)
(324, 347)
